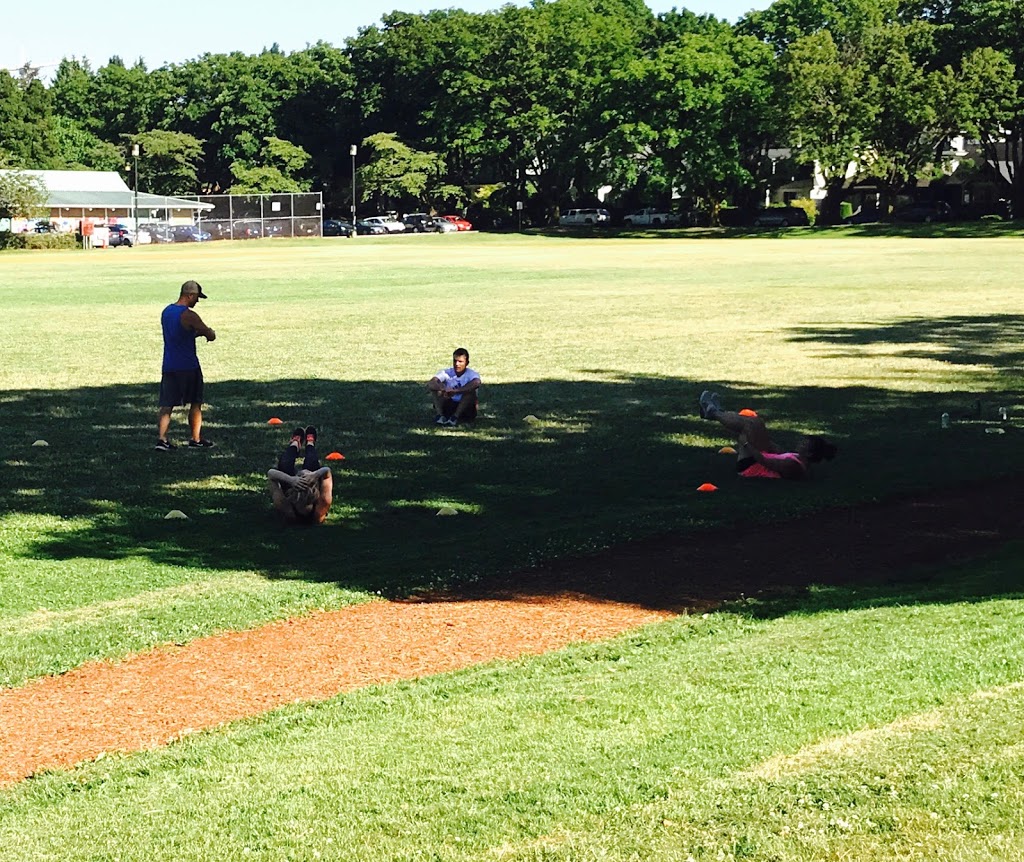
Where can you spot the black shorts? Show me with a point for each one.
(448, 408)
(181, 387)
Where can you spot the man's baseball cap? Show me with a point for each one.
(190, 287)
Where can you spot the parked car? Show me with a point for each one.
(121, 234)
(589, 216)
(442, 225)
(925, 213)
(781, 217)
(190, 233)
(391, 225)
(368, 228)
(337, 227)
(156, 233)
(459, 222)
(243, 229)
(651, 217)
(419, 223)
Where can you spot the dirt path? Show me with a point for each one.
(150, 699)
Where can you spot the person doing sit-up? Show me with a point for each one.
(757, 456)
(303, 496)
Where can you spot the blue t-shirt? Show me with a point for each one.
(179, 343)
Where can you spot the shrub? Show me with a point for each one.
(808, 206)
(37, 240)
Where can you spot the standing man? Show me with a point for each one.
(182, 379)
(454, 391)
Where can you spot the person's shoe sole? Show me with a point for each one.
(202, 444)
(163, 446)
(707, 401)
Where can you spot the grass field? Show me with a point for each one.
(688, 739)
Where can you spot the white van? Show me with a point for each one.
(589, 216)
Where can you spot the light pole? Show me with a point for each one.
(135, 193)
(352, 150)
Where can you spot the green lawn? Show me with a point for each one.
(659, 745)
(867, 724)
(606, 341)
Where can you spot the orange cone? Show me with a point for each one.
(708, 487)
(746, 411)
(334, 456)
(273, 420)
(727, 450)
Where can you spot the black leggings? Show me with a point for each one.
(286, 463)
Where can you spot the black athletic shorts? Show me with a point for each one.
(448, 408)
(181, 387)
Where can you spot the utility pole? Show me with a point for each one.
(135, 194)
(352, 150)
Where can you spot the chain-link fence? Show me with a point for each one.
(256, 216)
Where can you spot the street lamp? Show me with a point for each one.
(352, 150)
(135, 195)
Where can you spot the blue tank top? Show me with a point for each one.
(179, 343)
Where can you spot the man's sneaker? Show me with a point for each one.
(201, 443)
(440, 420)
(710, 404)
(163, 445)
(298, 435)
(310, 435)
(452, 422)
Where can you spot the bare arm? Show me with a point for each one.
(472, 386)
(191, 320)
(435, 385)
(323, 504)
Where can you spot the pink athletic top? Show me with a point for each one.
(764, 471)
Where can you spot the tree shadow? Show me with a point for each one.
(992, 341)
(604, 462)
(984, 229)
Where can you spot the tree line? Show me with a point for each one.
(550, 103)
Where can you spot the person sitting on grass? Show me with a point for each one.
(757, 456)
(454, 391)
(303, 496)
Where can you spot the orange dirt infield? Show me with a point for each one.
(152, 698)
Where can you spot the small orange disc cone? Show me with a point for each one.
(334, 456)
(727, 450)
(746, 411)
(273, 420)
(707, 487)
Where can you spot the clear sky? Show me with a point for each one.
(44, 31)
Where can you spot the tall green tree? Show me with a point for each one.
(976, 28)
(530, 97)
(168, 162)
(398, 175)
(26, 122)
(279, 169)
(72, 91)
(21, 195)
(694, 114)
(78, 149)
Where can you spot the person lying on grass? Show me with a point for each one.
(757, 456)
(303, 496)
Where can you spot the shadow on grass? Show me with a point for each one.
(945, 230)
(608, 460)
(993, 341)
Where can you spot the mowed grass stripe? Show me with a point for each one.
(641, 747)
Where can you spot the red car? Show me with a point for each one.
(458, 221)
